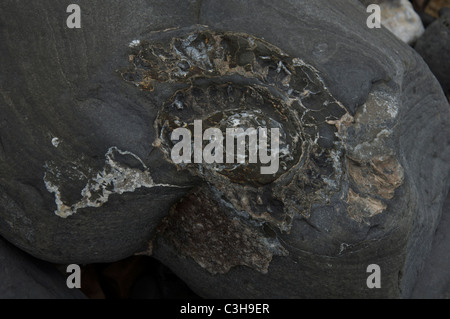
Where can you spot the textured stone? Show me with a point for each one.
(85, 171)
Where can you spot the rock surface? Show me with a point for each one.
(85, 174)
(25, 277)
(434, 47)
(433, 7)
(434, 280)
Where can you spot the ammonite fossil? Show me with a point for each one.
(87, 128)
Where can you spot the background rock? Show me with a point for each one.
(434, 47)
(135, 277)
(401, 19)
(434, 281)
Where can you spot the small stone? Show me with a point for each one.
(434, 47)
(134, 43)
(399, 17)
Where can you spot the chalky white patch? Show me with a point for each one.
(114, 178)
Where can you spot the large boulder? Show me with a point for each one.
(86, 118)
(434, 280)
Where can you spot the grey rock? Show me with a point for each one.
(434, 280)
(84, 158)
(434, 47)
(25, 277)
